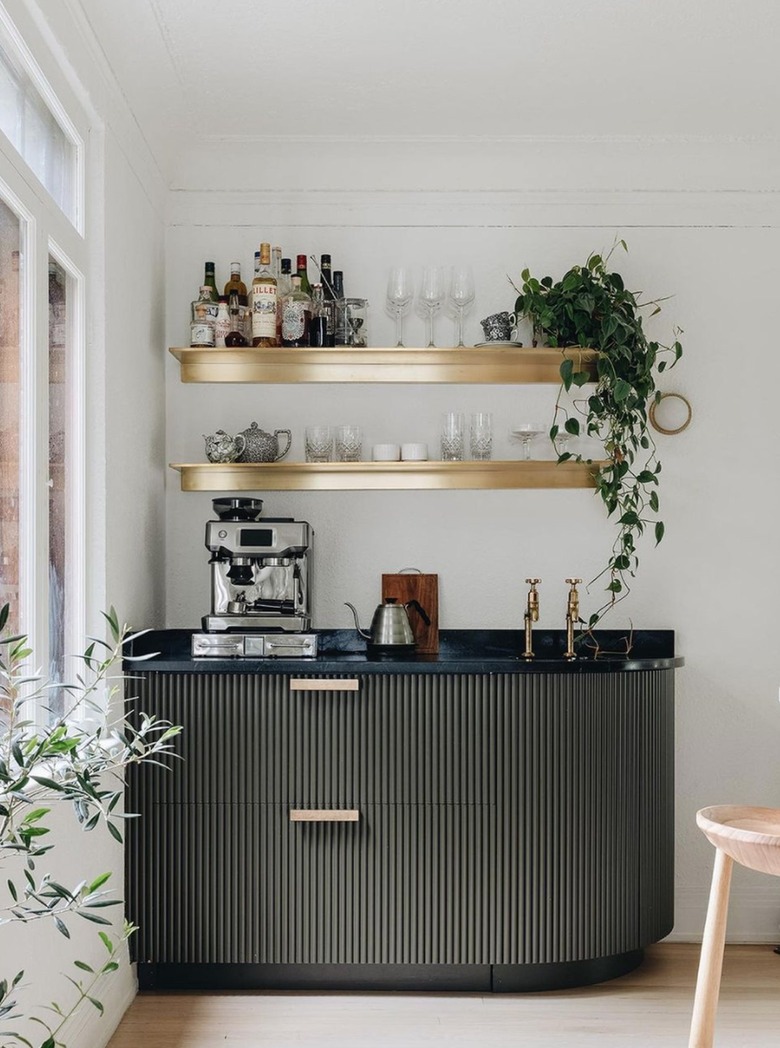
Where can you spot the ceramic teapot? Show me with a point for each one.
(221, 447)
(261, 446)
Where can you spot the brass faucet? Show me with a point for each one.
(572, 616)
(531, 615)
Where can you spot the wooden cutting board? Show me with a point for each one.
(425, 590)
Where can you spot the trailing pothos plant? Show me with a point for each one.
(592, 308)
(78, 756)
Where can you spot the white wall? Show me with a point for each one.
(125, 203)
(701, 226)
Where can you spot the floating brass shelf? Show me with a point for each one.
(382, 476)
(504, 364)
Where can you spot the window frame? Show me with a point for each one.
(46, 231)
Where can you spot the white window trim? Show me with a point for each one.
(76, 138)
(47, 231)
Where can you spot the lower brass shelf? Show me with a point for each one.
(383, 476)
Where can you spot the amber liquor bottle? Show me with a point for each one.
(264, 302)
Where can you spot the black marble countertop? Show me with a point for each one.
(460, 651)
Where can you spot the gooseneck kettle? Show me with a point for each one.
(390, 626)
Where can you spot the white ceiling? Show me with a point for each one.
(443, 67)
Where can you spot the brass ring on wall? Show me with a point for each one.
(665, 429)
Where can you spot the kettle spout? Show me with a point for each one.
(363, 633)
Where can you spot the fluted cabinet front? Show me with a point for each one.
(501, 819)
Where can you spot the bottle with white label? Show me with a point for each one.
(222, 324)
(264, 302)
(296, 315)
(202, 327)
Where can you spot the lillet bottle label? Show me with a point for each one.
(264, 311)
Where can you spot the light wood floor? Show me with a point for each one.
(649, 1008)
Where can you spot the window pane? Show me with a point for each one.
(10, 233)
(32, 128)
(58, 472)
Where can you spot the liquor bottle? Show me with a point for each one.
(276, 262)
(327, 277)
(301, 272)
(283, 288)
(204, 296)
(222, 323)
(296, 314)
(339, 311)
(202, 327)
(209, 281)
(235, 283)
(328, 307)
(264, 302)
(318, 326)
(235, 336)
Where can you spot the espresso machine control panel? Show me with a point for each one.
(260, 585)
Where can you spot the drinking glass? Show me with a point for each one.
(319, 444)
(349, 444)
(461, 294)
(452, 426)
(399, 298)
(527, 432)
(432, 295)
(481, 436)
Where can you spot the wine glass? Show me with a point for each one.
(432, 295)
(461, 294)
(527, 432)
(399, 297)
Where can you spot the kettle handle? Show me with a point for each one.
(289, 442)
(419, 609)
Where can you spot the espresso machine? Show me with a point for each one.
(260, 585)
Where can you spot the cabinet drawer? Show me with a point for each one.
(404, 884)
(318, 743)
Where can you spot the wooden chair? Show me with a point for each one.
(751, 837)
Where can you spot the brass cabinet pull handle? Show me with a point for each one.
(324, 815)
(299, 684)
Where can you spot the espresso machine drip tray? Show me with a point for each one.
(254, 645)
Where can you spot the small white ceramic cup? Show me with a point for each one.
(386, 452)
(414, 452)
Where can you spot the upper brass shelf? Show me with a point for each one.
(500, 365)
(384, 476)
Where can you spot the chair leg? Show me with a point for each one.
(705, 1003)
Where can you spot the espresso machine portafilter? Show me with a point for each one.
(260, 584)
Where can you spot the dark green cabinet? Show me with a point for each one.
(513, 830)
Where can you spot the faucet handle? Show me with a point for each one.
(533, 582)
(573, 582)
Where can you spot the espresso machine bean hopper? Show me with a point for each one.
(260, 585)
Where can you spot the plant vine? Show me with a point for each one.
(591, 307)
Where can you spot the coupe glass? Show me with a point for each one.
(461, 294)
(399, 298)
(527, 432)
(432, 295)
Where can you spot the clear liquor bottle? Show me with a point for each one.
(202, 327)
(296, 315)
(222, 323)
(204, 296)
(264, 291)
(283, 288)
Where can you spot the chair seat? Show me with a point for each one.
(751, 836)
